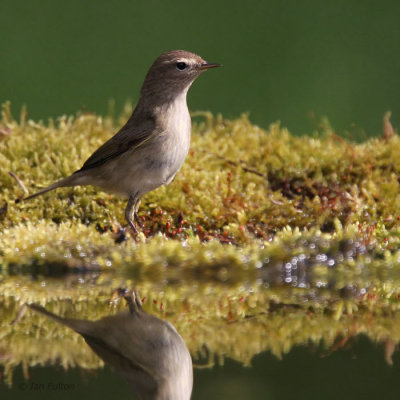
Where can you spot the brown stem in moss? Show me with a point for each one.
(240, 164)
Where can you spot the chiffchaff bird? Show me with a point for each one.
(151, 147)
(146, 351)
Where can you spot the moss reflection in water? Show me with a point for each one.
(216, 320)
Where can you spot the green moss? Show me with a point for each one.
(236, 174)
(313, 219)
(240, 183)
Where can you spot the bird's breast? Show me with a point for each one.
(157, 161)
(176, 138)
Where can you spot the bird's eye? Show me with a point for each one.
(181, 66)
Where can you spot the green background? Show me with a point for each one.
(287, 60)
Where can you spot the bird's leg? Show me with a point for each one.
(130, 210)
(136, 207)
(131, 297)
(133, 300)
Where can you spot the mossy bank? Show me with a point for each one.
(258, 227)
(240, 185)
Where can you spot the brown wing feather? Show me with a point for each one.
(130, 135)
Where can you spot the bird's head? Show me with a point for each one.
(173, 72)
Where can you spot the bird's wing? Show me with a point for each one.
(129, 136)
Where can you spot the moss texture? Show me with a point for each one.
(291, 240)
(240, 184)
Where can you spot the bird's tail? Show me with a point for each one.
(78, 325)
(68, 181)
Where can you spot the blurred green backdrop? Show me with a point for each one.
(287, 60)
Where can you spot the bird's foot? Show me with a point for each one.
(133, 227)
(138, 220)
(116, 295)
(131, 297)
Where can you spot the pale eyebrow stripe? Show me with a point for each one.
(185, 60)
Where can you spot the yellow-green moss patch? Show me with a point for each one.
(289, 240)
(240, 184)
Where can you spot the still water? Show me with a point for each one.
(358, 372)
(256, 340)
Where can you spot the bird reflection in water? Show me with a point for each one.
(146, 351)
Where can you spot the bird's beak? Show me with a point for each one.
(208, 66)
